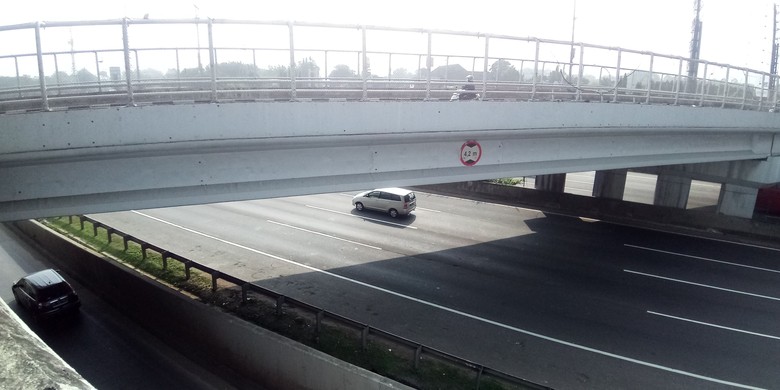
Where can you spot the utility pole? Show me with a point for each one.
(693, 64)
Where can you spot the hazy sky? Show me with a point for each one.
(734, 32)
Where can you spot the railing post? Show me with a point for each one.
(485, 69)
(428, 65)
(97, 69)
(18, 79)
(536, 70)
(744, 92)
(293, 92)
(244, 292)
(725, 90)
(165, 256)
(41, 72)
(365, 64)
(128, 79)
(617, 77)
(212, 61)
(761, 98)
(57, 72)
(703, 85)
(677, 83)
(650, 79)
(417, 354)
(581, 72)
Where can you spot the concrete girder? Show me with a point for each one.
(86, 161)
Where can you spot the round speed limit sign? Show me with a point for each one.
(470, 153)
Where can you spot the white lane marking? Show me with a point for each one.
(714, 325)
(702, 285)
(323, 234)
(361, 217)
(703, 258)
(464, 314)
(428, 210)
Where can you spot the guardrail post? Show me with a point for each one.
(187, 265)
(244, 293)
(94, 229)
(318, 325)
(365, 64)
(279, 303)
(479, 375)
(417, 354)
(293, 92)
(70, 220)
(109, 232)
(125, 239)
(212, 61)
(364, 337)
(41, 72)
(144, 247)
(128, 79)
(165, 255)
(214, 277)
(81, 222)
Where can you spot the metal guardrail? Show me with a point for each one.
(481, 372)
(505, 67)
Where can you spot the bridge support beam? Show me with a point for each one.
(672, 191)
(610, 184)
(551, 183)
(737, 201)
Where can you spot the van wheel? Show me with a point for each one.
(359, 206)
(393, 213)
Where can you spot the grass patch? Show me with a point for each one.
(337, 340)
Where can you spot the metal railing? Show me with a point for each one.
(301, 61)
(417, 351)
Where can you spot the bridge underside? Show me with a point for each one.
(87, 161)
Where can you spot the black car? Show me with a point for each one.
(46, 294)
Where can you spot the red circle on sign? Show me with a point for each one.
(470, 153)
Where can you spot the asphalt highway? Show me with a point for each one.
(566, 302)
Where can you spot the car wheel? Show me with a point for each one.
(359, 206)
(393, 213)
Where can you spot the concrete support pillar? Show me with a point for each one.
(610, 184)
(672, 191)
(552, 183)
(737, 201)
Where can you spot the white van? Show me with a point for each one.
(394, 201)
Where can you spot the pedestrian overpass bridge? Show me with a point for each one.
(137, 138)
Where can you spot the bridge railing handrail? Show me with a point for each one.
(661, 84)
(320, 314)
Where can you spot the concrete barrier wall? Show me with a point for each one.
(206, 334)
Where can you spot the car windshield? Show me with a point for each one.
(54, 291)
